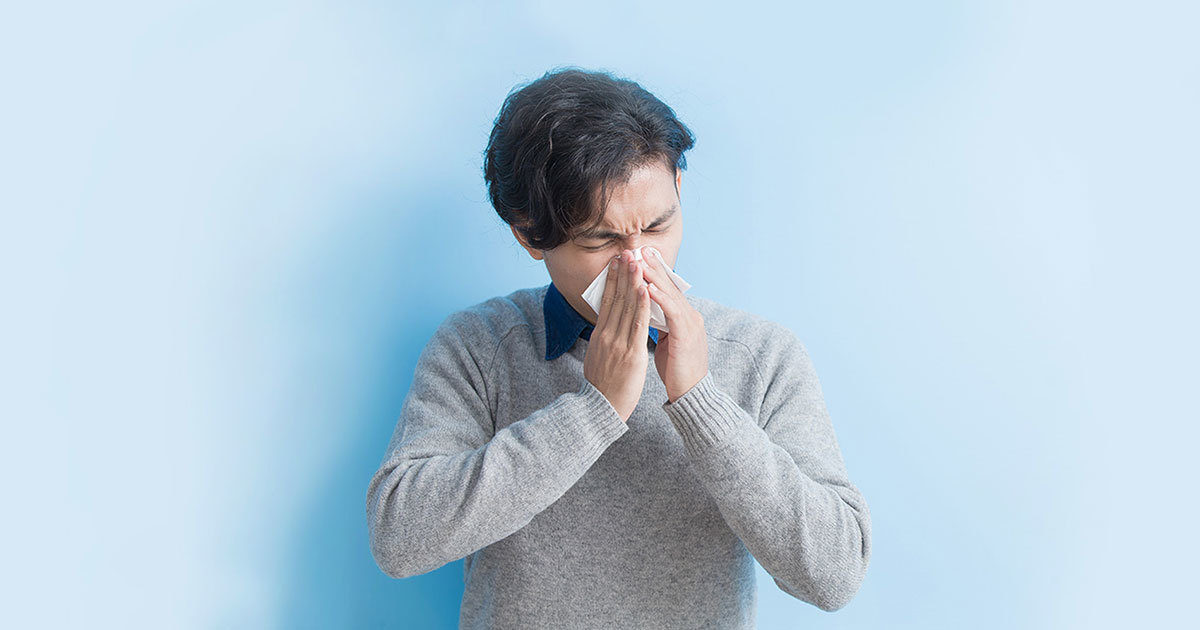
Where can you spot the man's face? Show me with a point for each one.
(643, 211)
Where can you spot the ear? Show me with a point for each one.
(536, 253)
(679, 181)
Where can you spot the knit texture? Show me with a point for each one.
(568, 517)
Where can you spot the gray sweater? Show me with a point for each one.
(570, 518)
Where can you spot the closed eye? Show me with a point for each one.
(610, 242)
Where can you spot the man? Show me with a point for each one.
(593, 470)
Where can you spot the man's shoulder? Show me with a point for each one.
(486, 322)
(769, 344)
(729, 323)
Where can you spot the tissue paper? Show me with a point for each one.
(595, 291)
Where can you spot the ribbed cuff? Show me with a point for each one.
(585, 422)
(704, 415)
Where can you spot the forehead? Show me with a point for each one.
(647, 198)
(645, 184)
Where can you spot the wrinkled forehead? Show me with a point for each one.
(649, 196)
(647, 216)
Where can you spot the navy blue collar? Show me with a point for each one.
(564, 325)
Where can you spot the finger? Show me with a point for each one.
(636, 282)
(610, 292)
(618, 297)
(641, 320)
(656, 272)
(672, 310)
(625, 287)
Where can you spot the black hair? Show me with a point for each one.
(560, 141)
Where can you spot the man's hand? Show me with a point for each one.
(681, 356)
(617, 354)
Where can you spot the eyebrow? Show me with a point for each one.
(599, 233)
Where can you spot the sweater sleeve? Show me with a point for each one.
(783, 487)
(451, 484)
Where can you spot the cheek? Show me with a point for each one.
(668, 242)
(590, 264)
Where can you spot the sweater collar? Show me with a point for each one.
(564, 325)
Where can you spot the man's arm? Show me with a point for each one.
(450, 484)
(782, 488)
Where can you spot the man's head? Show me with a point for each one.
(582, 165)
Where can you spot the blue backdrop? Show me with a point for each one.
(229, 228)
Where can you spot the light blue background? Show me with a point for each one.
(229, 230)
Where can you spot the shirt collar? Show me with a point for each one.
(564, 325)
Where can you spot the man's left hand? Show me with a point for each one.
(680, 356)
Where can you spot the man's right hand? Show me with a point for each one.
(617, 355)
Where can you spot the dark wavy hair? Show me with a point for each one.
(561, 141)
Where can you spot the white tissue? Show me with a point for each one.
(595, 291)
